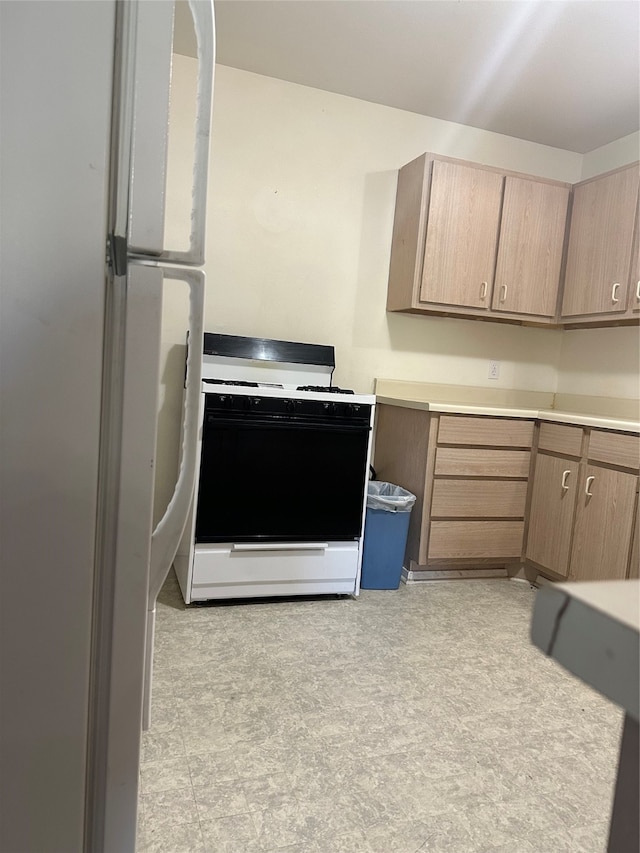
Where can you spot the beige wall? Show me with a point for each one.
(600, 362)
(617, 153)
(301, 201)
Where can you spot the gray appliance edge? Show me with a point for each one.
(78, 375)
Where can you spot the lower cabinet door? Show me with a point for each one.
(553, 501)
(604, 524)
(634, 566)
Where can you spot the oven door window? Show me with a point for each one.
(280, 482)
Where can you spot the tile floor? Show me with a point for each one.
(416, 720)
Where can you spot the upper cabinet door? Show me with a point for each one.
(600, 241)
(634, 293)
(462, 234)
(532, 231)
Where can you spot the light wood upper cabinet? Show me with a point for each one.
(600, 245)
(462, 232)
(604, 524)
(455, 220)
(551, 516)
(634, 284)
(527, 277)
(478, 241)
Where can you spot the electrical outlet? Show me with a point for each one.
(494, 369)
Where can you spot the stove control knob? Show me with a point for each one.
(329, 408)
(255, 402)
(290, 405)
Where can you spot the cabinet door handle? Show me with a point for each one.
(588, 486)
(565, 477)
(614, 292)
(483, 290)
(503, 293)
(638, 291)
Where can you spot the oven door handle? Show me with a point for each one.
(280, 546)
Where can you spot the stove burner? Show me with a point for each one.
(331, 390)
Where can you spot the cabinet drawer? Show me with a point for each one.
(471, 462)
(614, 448)
(479, 498)
(561, 438)
(496, 432)
(468, 539)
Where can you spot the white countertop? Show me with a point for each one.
(598, 412)
(583, 419)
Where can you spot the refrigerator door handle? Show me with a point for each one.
(203, 20)
(166, 536)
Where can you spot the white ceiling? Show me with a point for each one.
(564, 73)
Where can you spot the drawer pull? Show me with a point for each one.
(565, 477)
(483, 290)
(280, 546)
(588, 493)
(614, 292)
(503, 293)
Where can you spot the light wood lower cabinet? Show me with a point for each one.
(581, 518)
(470, 476)
(604, 524)
(488, 432)
(553, 503)
(476, 500)
(634, 566)
(615, 449)
(479, 462)
(466, 540)
(479, 498)
(561, 438)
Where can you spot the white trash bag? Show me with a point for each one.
(388, 497)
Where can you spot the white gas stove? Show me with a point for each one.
(284, 460)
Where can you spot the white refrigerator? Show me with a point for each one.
(83, 144)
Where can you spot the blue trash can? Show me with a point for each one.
(385, 535)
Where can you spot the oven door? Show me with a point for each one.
(280, 480)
